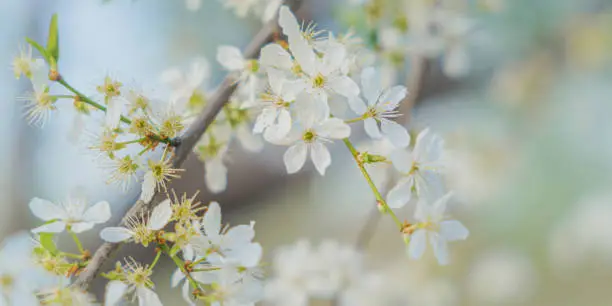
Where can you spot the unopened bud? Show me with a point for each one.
(372, 158)
(54, 75)
(381, 207)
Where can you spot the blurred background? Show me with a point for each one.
(527, 120)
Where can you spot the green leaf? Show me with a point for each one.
(38, 47)
(53, 39)
(46, 240)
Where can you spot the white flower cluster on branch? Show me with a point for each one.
(289, 96)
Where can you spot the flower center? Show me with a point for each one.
(309, 136)
(318, 81)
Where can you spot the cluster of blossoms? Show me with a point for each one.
(215, 263)
(291, 96)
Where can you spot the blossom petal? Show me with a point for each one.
(200, 70)
(53, 227)
(238, 236)
(148, 187)
(392, 97)
(357, 105)
(215, 175)
(452, 230)
(418, 242)
(371, 85)
(397, 134)
(115, 234)
(295, 157)
(273, 55)
(186, 293)
(176, 278)
(113, 112)
(46, 210)
(456, 62)
(334, 128)
(114, 292)
(80, 227)
(371, 127)
(439, 206)
(265, 119)
(248, 141)
(288, 22)
(147, 297)
(98, 213)
(212, 220)
(402, 160)
(230, 58)
(248, 255)
(440, 248)
(400, 194)
(320, 157)
(160, 216)
(345, 86)
(333, 58)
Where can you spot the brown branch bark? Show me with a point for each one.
(184, 146)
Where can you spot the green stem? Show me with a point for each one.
(349, 121)
(157, 256)
(77, 241)
(181, 265)
(366, 175)
(63, 96)
(132, 141)
(206, 269)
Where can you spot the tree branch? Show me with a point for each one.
(185, 144)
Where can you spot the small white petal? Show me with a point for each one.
(392, 97)
(371, 127)
(248, 141)
(115, 234)
(371, 84)
(212, 220)
(160, 216)
(333, 58)
(215, 175)
(200, 70)
(265, 119)
(418, 242)
(148, 187)
(230, 58)
(273, 55)
(147, 297)
(46, 210)
(439, 206)
(53, 227)
(295, 157)
(397, 134)
(400, 194)
(186, 293)
(303, 53)
(357, 105)
(248, 255)
(320, 157)
(114, 293)
(402, 160)
(453, 230)
(80, 227)
(98, 213)
(440, 248)
(334, 128)
(176, 277)
(288, 22)
(344, 86)
(238, 236)
(113, 112)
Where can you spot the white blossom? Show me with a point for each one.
(218, 243)
(311, 134)
(420, 169)
(380, 109)
(136, 281)
(432, 225)
(302, 271)
(73, 214)
(140, 229)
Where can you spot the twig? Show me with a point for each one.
(184, 146)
